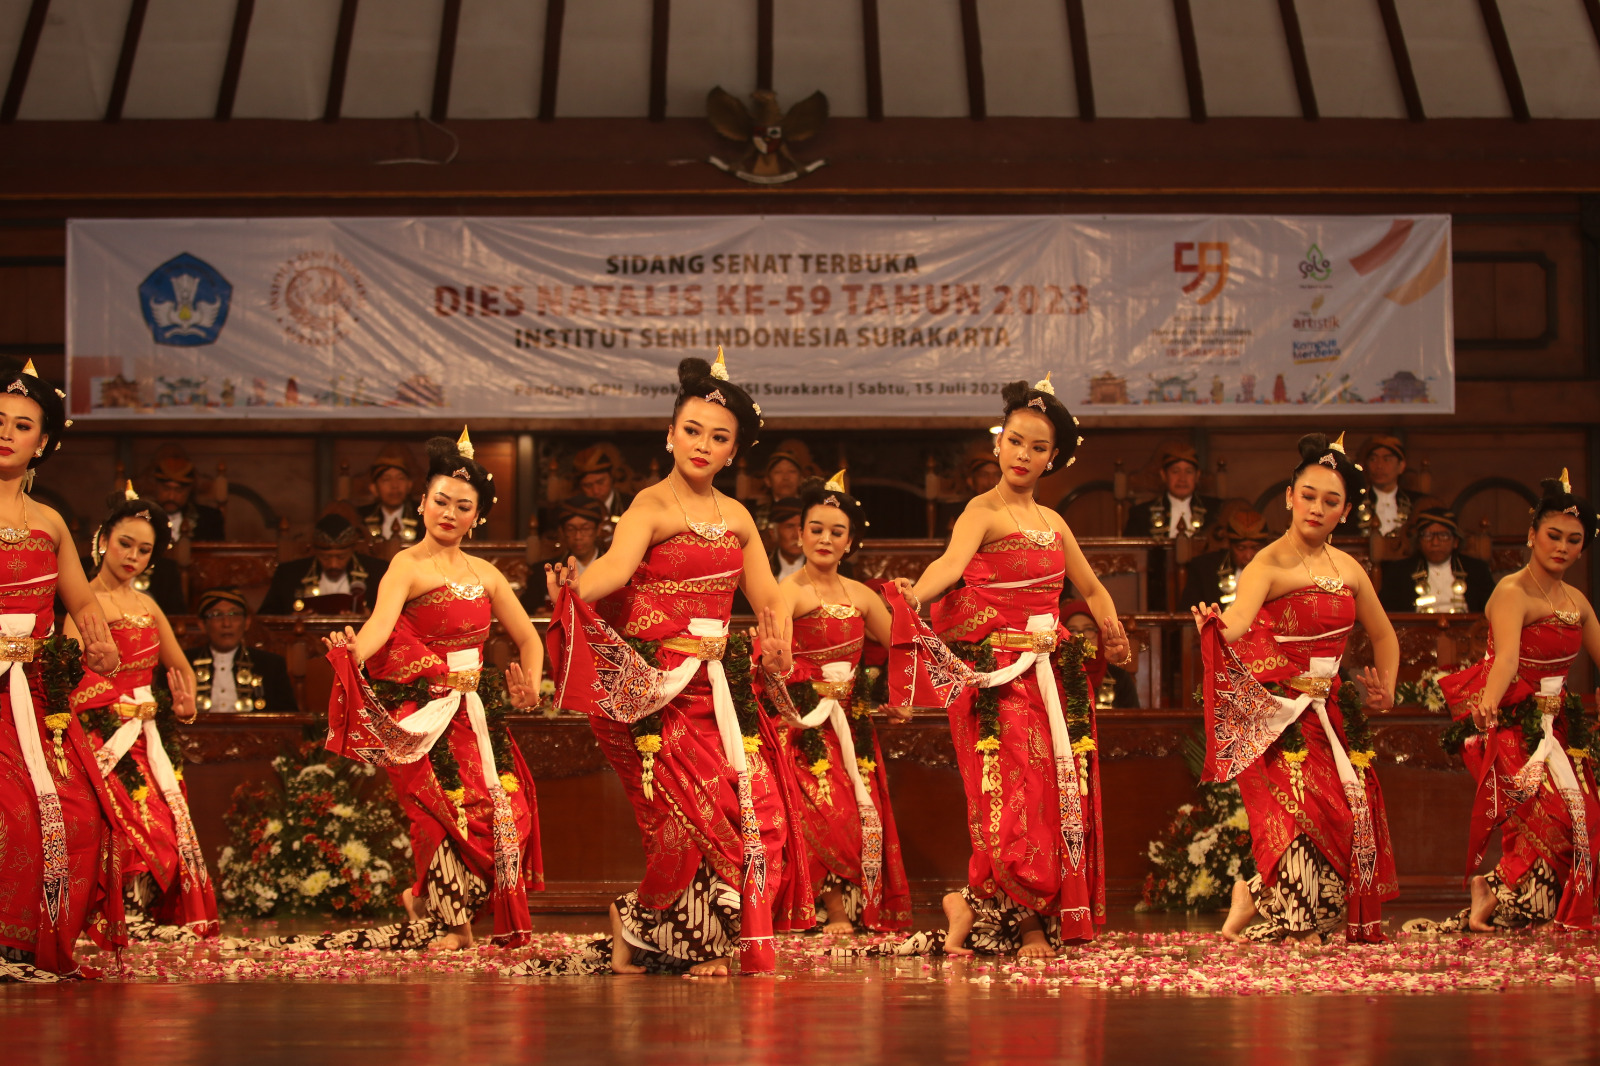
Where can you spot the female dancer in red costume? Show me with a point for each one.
(1026, 747)
(405, 698)
(165, 881)
(1274, 720)
(723, 865)
(1532, 753)
(844, 810)
(62, 869)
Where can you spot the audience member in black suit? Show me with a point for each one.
(1118, 689)
(1179, 509)
(1387, 507)
(391, 519)
(596, 470)
(580, 519)
(1437, 578)
(174, 479)
(786, 557)
(229, 674)
(334, 569)
(1213, 577)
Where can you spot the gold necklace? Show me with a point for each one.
(1326, 584)
(1566, 618)
(708, 530)
(463, 589)
(15, 534)
(846, 609)
(1042, 538)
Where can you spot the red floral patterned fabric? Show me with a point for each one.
(1541, 825)
(90, 838)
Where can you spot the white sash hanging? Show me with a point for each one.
(1551, 755)
(830, 710)
(52, 824)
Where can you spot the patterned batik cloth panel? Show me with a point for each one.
(702, 924)
(1307, 896)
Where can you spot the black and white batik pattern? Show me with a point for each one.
(1307, 898)
(1532, 901)
(996, 929)
(855, 901)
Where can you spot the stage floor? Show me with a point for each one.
(1155, 988)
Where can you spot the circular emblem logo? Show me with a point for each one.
(318, 297)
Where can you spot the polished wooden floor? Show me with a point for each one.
(830, 1012)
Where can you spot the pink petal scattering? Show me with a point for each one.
(1174, 963)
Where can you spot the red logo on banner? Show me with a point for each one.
(1210, 260)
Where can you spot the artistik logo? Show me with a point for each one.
(1210, 261)
(1315, 266)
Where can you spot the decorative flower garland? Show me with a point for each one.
(1582, 741)
(813, 744)
(103, 722)
(736, 664)
(61, 666)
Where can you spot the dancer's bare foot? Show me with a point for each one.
(714, 968)
(838, 923)
(1241, 913)
(408, 900)
(459, 938)
(1035, 945)
(960, 918)
(1480, 919)
(1311, 940)
(621, 950)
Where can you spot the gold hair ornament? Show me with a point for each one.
(464, 444)
(719, 369)
(29, 370)
(1037, 401)
(1045, 386)
(1566, 482)
(128, 493)
(836, 483)
(715, 396)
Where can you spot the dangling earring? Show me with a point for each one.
(38, 453)
(669, 445)
(997, 449)
(419, 508)
(1287, 506)
(1050, 466)
(728, 461)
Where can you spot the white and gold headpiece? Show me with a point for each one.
(719, 369)
(464, 444)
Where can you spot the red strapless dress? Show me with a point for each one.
(1297, 641)
(158, 832)
(1543, 804)
(61, 861)
(711, 799)
(493, 824)
(849, 833)
(1033, 812)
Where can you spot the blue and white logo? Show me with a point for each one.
(185, 302)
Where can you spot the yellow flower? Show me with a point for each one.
(57, 722)
(648, 744)
(751, 744)
(820, 767)
(458, 796)
(140, 793)
(1240, 819)
(866, 766)
(1362, 759)
(508, 781)
(988, 744)
(1084, 744)
(1578, 753)
(1296, 757)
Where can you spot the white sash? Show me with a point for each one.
(52, 824)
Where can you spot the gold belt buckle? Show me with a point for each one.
(17, 649)
(711, 648)
(1315, 687)
(1044, 641)
(128, 711)
(462, 680)
(832, 690)
(1550, 705)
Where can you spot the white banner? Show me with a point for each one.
(352, 317)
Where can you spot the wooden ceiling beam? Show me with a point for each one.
(1402, 60)
(555, 14)
(341, 60)
(872, 50)
(22, 65)
(1503, 59)
(1190, 51)
(660, 31)
(125, 57)
(445, 64)
(243, 12)
(972, 49)
(764, 44)
(1297, 59)
(1078, 39)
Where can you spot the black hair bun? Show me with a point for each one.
(1014, 394)
(1551, 487)
(1555, 497)
(1316, 451)
(445, 460)
(1019, 394)
(696, 380)
(1313, 446)
(693, 369)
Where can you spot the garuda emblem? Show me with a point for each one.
(767, 133)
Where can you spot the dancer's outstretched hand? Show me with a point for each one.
(905, 585)
(774, 630)
(1486, 715)
(100, 652)
(560, 575)
(1379, 697)
(182, 695)
(897, 714)
(1114, 640)
(1204, 611)
(523, 690)
(347, 639)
